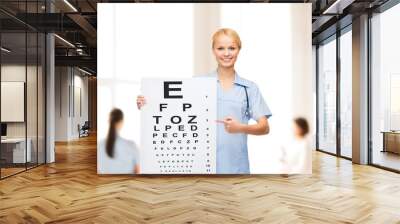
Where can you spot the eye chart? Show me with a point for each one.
(178, 129)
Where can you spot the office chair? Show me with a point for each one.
(84, 130)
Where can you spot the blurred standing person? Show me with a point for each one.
(119, 155)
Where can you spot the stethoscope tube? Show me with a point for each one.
(247, 113)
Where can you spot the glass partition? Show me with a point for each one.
(14, 153)
(23, 89)
(32, 95)
(346, 94)
(327, 96)
(385, 89)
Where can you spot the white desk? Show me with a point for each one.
(18, 154)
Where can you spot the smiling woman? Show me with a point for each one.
(239, 100)
(226, 45)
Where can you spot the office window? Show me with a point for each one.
(327, 96)
(346, 94)
(170, 59)
(385, 89)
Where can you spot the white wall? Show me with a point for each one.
(70, 83)
(61, 103)
(9, 73)
(17, 73)
(33, 127)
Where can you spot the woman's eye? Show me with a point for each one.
(231, 48)
(220, 48)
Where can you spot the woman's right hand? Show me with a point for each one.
(140, 101)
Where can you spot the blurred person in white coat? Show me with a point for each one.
(296, 153)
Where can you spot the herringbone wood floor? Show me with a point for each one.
(70, 191)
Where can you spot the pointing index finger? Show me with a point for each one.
(220, 121)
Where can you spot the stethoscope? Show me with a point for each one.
(247, 112)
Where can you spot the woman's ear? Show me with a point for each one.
(119, 125)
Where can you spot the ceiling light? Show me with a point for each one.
(64, 40)
(5, 50)
(70, 5)
(338, 6)
(84, 71)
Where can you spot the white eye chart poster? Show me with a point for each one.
(178, 126)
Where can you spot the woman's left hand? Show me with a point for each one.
(231, 125)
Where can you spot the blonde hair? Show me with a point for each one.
(229, 32)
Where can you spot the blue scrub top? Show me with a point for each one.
(232, 155)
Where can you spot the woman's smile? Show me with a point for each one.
(226, 50)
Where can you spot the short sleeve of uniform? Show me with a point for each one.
(258, 106)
